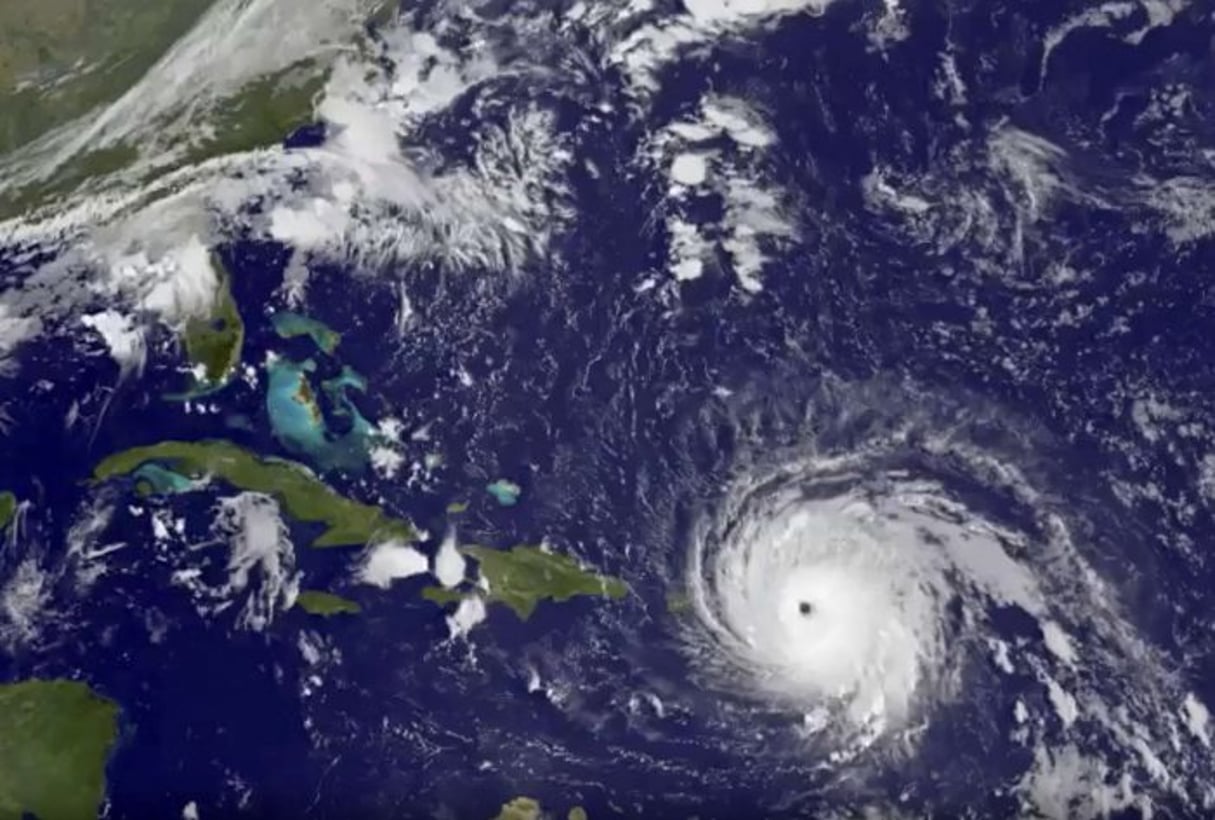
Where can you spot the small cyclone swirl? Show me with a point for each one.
(882, 566)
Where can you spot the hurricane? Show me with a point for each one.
(554, 409)
(880, 563)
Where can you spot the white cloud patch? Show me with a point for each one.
(260, 565)
(24, 598)
(450, 564)
(469, 612)
(754, 214)
(653, 44)
(1197, 718)
(362, 199)
(720, 154)
(1187, 205)
(122, 337)
(390, 561)
(164, 114)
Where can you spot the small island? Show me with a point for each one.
(55, 738)
(303, 496)
(325, 604)
(289, 325)
(679, 602)
(505, 492)
(521, 808)
(528, 808)
(8, 508)
(522, 577)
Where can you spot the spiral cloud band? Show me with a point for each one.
(890, 565)
(836, 588)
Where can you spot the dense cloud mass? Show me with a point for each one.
(847, 362)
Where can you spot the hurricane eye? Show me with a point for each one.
(874, 591)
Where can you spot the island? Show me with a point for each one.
(521, 808)
(8, 508)
(522, 577)
(289, 325)
(504, 492)
(325, 604)
(302, 494)
(679, 602)
(55, 739)
(528, 808)
(299, 424)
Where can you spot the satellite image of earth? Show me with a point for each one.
(607, 408)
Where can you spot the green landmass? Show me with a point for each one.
(214, 342)
(523, 576)
(261, 114)
(55, 737)
(73, 174)
(521, 808)
(527, 808)
(264, 113)
(8, 508)
(289, 325)
(303, 496)
(442, 596)
(60, 59)
(315, 602)
(678, 603)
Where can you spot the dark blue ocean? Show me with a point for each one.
(599, 400)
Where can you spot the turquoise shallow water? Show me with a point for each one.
(163, 481)
(299, 422)
(289, 325)
(625, 412)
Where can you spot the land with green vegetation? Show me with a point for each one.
(63, 62)
(72, 175)
(290, 325)
(214, 342)
(325, 604)
(443, 596)
(679, 603)
(59, 59)
(527, 808)
(263, 113)
(302, 495)
(522, 577)
(521, 808)
(259, 115)
(8, 508)
(55, 738)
